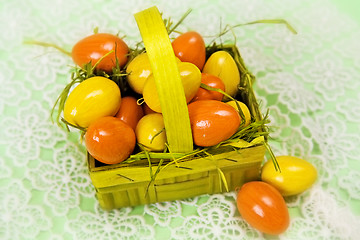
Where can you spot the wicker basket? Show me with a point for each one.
(124, 185)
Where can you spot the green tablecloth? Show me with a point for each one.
(310, 83)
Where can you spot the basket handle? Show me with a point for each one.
(167, 79)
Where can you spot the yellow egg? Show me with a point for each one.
(93, 98)
(245, 110)
(190, 78)
(295, 177)
(222, 65)
(150, 132)
(139, 70)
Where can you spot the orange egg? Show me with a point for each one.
(212, 122)
(190, 47)
(211, 81)
(94, 47)
(263, 207)
(130, 112)
(110, 140)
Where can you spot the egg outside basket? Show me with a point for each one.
(187, 174)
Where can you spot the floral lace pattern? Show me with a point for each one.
(309, 82)
(17, 214)
(26, 133)
(216, 220)
(117, 224)
(64, 180)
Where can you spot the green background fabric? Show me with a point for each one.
(349, 7)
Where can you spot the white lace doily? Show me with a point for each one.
(310, 83)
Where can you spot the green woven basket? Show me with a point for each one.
(131, 184)
(121, 186)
